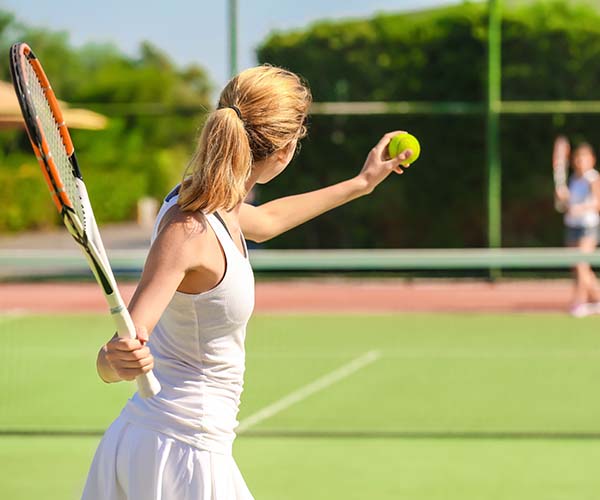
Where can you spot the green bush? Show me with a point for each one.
(114, 194)
(550, 50)
(26, 199)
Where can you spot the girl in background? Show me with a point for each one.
(579, 199)
(196, 295)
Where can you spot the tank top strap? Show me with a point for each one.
(215, 222)
(222, 233)
(169, 201)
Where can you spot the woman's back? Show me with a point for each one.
(199, 356)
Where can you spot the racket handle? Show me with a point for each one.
(147, 383)
(560, 174)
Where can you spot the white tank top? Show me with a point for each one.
(580, 191)
(199, 355)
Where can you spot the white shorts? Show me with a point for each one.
(135, 463)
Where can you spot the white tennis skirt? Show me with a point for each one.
(135, 463)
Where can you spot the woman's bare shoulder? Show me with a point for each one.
(184, 223)
(182, 233)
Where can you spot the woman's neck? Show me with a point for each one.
(250, 183)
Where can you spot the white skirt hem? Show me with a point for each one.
(137, 463)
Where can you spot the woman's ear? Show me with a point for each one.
(286, 153)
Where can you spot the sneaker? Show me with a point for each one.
(582, 310)
(594, 307)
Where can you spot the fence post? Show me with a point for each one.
(494, 174)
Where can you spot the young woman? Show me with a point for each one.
(196, 295)
(580, 201)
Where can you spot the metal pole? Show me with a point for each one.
(233, 35)
(494, 187)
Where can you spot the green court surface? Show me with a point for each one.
(419, 406)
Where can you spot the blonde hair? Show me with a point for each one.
(260, 111)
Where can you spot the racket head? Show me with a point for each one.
(53, 147)
(50, 138)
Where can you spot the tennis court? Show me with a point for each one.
(339, 406)
(413, 346)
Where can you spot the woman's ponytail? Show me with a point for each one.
(221, 165)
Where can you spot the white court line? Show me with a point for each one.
(316, 386)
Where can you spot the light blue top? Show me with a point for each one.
(580, 191)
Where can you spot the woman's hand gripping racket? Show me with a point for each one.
(54, 150)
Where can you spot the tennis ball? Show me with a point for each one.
(402, 142)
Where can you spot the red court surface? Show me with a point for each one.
(326, 295)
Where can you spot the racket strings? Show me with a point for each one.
(56, 146)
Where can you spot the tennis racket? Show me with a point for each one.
(560, 165)
(54, 150)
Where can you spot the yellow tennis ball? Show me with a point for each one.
(402, 142)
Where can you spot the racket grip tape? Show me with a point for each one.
(147, 383)
(560, 174)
